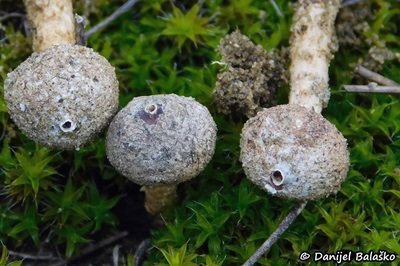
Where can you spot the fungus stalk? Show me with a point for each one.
(52, 21)
(312, 47)
(291, 150)
(159, 198)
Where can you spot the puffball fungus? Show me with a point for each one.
(159, 141)
(293, 152)
(63, 96)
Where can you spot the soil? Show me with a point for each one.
(250, 79)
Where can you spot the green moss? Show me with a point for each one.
(4, 259)
(223, 218)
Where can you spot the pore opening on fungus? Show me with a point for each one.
(151, 108)
(277, 177)
(67, 126)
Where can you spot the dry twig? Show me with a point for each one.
(125, 7)
(95, 247)
(141, 251)
(115, 255)
(277, 9)
(11, 15)
(80, 23)
(373, 76)
(27, 256)
(276, 234)
(372, 88)
(350, 2)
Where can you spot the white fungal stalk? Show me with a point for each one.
(159, 198)
(52, 21)
(312, 47)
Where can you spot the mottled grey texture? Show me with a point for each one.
(161, 139)
(62, 97)
(294, 152)
(376, 57)
(250, 79)
(352, 23)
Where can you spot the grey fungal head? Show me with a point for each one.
(62, 97)
(293, 152)
(161, 139)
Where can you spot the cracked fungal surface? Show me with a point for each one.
(294, 152)
(251, 77)
(62, 97)
(161, 139)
